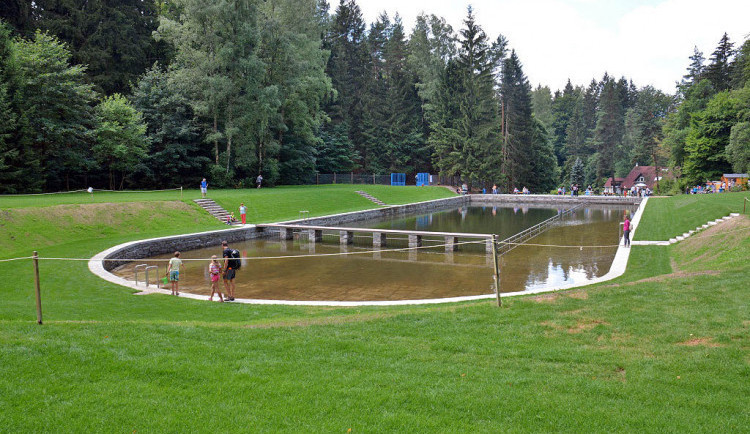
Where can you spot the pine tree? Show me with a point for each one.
(695, 71)
(519, 150)
(55, 120)
(563, 106)
(113, 39)
(349, 67)
(607, 139)
(719, 70)
(576, 172)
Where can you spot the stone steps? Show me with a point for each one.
(215, 210)
(371, 198)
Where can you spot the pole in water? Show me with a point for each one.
(497, 269)
(38, 292)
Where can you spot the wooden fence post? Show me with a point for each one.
(497, 270)
(38, 291)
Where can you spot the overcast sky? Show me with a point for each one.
(648, 41)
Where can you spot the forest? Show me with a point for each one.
(140, 94)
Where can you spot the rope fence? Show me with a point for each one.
(95, 190)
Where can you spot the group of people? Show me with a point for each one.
(227, 270)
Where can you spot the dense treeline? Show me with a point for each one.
(142, 94)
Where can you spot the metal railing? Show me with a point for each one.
(514, 241)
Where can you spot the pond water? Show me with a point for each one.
(289, 271)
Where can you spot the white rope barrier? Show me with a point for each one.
(15, 259)
(363, 252)
(94, 191)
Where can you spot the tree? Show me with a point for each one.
(708, 137)
(176, 154)
(577, 172)
(121, 142)
(55, 120)
(465, 126)
(608, 133)
(741, 66)
(285, 137)
(112, 38)
(738, 148)
(719, 70)
(563, 106)
(217, 66)
(644, 126)
(695, 71)
(349, 69)
(541, 99)
(522, 147)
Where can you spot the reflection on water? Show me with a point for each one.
(371, 274)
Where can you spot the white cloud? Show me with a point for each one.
(647, 41)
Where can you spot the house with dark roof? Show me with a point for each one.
(640, 177)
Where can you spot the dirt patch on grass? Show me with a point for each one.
(585, 325)
(549, 297)
(582, 325)
(666, 277)
(703, 342)
(578, 295)
(103, 213)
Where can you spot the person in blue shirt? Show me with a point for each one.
(204, 188)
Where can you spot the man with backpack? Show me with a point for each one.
(231, 264)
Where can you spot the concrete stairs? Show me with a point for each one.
(371, 198)
(215, 210)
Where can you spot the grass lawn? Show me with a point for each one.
(663, 348)
(675, 215)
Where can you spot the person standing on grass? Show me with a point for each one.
(259, 180)
(243, 212)
(214, 270)
(230, 270)
(204, 188)
(626, 231)
(173, 270)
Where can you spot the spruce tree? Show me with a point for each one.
(607, 139)
(519, 145)
(349, 69)
(719, 70)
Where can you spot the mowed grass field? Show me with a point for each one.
(663, 348)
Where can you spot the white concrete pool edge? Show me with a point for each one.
(617, 269)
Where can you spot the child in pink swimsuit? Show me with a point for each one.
(214, 270)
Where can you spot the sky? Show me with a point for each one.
(648, 41)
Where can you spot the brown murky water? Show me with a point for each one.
(294, 274)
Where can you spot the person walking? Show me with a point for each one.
(173, 271)
(259, 180)
(243, 212)
(214, 270)
(231, 264)
(626, 231)
(204, 188)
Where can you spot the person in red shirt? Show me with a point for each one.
(626, 231)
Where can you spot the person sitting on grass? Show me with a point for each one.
(173, 270)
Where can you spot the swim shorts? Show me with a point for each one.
(174, 276)
(229, 274)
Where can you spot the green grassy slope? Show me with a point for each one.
(652, 351)
(675, 215)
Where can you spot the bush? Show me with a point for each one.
(219, 178)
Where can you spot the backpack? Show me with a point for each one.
(235, 262)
